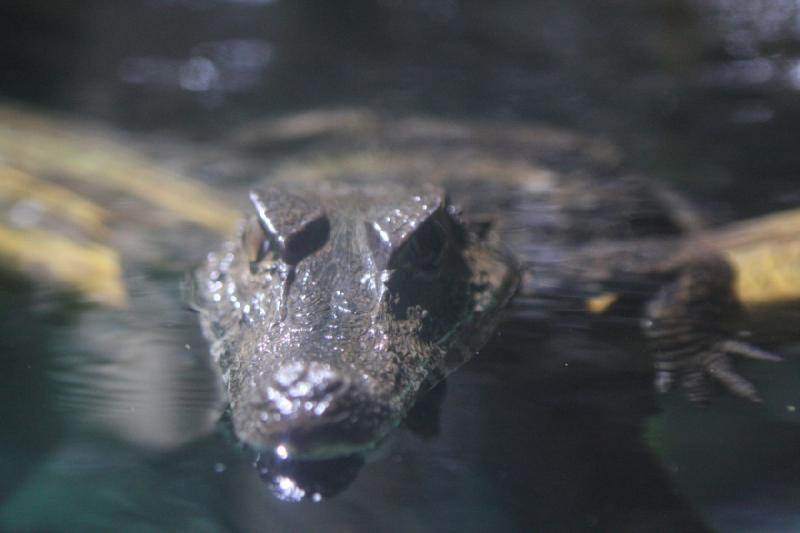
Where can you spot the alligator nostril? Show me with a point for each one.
(312, 407)
(299, 388)
(334, 386)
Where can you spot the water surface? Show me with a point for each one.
(118, 432)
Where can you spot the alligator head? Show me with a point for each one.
(339, 304)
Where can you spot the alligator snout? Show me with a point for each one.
(311, 409)
(299, 388)
(339, 304)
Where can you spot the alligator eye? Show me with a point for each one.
(254, 241)
(297, 226)
(426, 249)
(423, 252)
(307, 240)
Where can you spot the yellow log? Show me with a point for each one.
(42, 146)
(91, 269)
(16, 185)
(765, 253)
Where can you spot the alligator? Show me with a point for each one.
(380, 253)
(380, 256)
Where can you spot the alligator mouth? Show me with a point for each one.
(313, 411)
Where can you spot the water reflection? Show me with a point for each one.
(229, 66)
(131, 375)
(758, 38)
(296, 481)
(750, 28)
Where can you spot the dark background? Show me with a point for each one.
(701, 92)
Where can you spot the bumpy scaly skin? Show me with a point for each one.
(581, 224)
(324, 350)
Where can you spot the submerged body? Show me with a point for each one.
(378, 254)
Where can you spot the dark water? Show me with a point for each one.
(701, 93)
